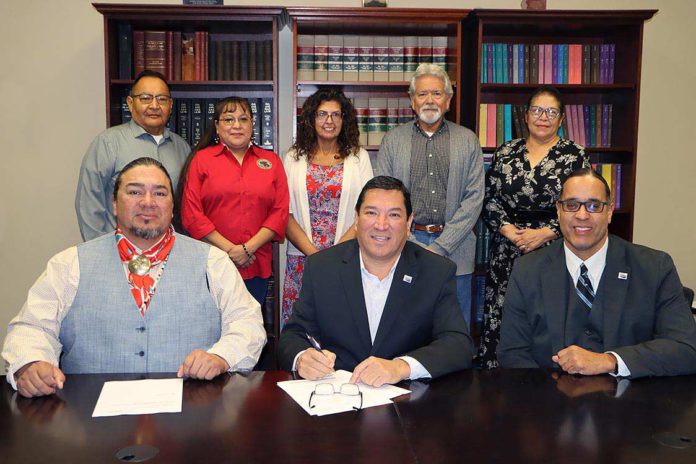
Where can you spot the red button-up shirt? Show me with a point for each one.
(237, 200)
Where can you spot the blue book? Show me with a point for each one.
(484, 64)
(500, 62)
(520, 63)
(554, 64)
(510, 64)
(507, 109)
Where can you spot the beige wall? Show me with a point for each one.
(52, 97)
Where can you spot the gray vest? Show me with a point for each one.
(584, 326)
(104, 332)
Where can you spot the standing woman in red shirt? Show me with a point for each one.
(235, 194)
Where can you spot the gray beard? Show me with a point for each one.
(429, 117)
(146, 234)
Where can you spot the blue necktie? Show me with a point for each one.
(584, 287)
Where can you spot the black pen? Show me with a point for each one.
(315, 344)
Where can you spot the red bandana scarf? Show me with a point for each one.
(143, 287)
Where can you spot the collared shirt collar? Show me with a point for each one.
(138, 131)
(221, 148)
(441, 129)
(595, 264)
(364, 270)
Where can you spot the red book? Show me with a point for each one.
(169, 44)
(205, 55)
(580, 125)
(155, 51)
(138, 52)
(490, 126)
(176, 49)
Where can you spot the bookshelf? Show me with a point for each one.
(220, 24)
(384, 24)
(623, 28)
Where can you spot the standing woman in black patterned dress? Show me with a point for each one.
(522, 186)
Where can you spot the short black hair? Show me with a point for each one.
(386, 183)
(547, 90)
(149, 73)
(583, 172)
(144, 161)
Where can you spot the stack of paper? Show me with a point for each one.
(300, 391)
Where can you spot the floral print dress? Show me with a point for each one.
(324, 184)
(515, 193)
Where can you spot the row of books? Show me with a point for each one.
(376, 116)
(586, 125)
(503, 63)
(366, 58)
(197, 56)
(612, 174)
(191, 116)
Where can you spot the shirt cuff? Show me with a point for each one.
(294, 361)
(622, 369)
(418, 371)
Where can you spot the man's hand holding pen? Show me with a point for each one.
(314, 364)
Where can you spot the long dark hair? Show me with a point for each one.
(208, 139)
(348, 139)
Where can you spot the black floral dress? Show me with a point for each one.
(525, 197)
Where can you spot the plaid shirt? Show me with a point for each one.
(429, 171)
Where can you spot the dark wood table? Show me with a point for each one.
(506, 416)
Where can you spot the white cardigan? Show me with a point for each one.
(357, 170)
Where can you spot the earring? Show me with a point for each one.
(216, 139)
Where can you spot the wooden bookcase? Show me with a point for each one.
(249, 23)
(623, 28)
(380, 22)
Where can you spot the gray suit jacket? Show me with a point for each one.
(465, 185)
(646, 319)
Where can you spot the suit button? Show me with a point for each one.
(142, 353)
(588, 332)
(140, 329)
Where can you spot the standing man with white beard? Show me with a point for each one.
(441, 164)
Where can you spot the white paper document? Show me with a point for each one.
(149, 396)
(300, 391)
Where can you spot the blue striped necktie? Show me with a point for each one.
(584, 287)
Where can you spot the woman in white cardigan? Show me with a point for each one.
(326, 169)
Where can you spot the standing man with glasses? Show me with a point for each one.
(594, 303)
(442, 164)
(150, 104)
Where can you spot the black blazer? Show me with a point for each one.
(646, 318)
(421, 317)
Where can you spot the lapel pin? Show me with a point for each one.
(623, 276)
(407, 278)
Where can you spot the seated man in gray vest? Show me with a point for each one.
(593, 303)
(145, 299)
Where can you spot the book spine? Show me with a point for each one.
(253, 65)
(499, 124)
(598, 117)
(125, 51)
(305, 57)
(183, 123)
(594, 55)
(243, 61)
(542, 64)
(377, 120)
(362, 109)
(593, 125)
(516, 121)
(235, 61)
(483, 115)
(187, 58)
(484, 61)
(588, 127)
(515, 65)
(351, 58)
(603, 63)
(507, 120)
(490, 62)
(321, 57)
(125, 111)
(425, 49)
(534, 64)
(335, 58)
(396, 59)
(155, 51)
(617, 194)
(612, 63)
(586, 64)
(209, 112)
(138, 52)
(366, 67)
(405, 110)
(410, 56)
(256, 128)
(169, 55)
(267, 141)
(564, 66)
(548, 64)
(491, 135)
(380, 52)
(197, 54)
(440, 51)
(554, 64)
(197, 120)
(268, 60)
(176, 47)
(392, 113)
(510, 66)
(260, 62)
(581, 125)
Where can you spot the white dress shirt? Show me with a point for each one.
(595, 267)
(33, 334)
